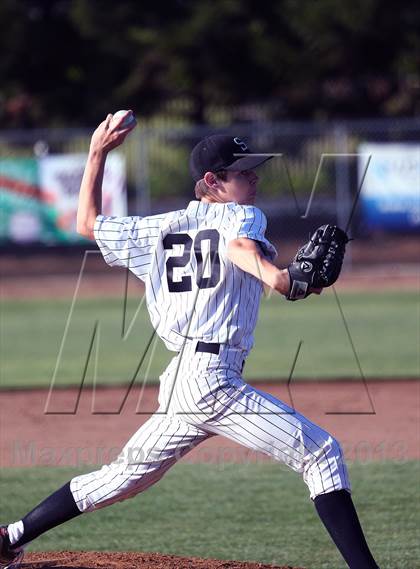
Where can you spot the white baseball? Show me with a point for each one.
(129, 119)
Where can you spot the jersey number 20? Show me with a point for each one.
(211, 261)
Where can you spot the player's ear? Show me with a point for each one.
(211, 180)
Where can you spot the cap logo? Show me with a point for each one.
(240, 143)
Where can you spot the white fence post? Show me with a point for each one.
(342, 178)
(142, 182)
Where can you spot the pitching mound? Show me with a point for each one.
(92, 560)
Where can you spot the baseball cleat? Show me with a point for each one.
(9, 558)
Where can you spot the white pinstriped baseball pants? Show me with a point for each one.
(202, 395)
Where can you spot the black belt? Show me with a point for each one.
(207, 348)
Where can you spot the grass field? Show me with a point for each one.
(245, 512)
(382, 328)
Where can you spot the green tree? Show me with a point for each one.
(72, 61)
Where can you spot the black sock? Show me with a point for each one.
(53, 511)
(338, 514)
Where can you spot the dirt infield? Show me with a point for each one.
(388, 431)
(93, 560)
(29, 437)
(381, 264)
(111, 283)
(376, 421)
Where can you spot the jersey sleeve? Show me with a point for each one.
(250, 222)
(128, 241)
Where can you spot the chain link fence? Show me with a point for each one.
(314, 177)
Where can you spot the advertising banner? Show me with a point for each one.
(24, 215)
(390, 196)
(39, 197)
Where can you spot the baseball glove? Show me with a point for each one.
(318, 263)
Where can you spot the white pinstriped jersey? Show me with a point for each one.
(193, 291)
(202, 394)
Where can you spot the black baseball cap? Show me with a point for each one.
(222, 152)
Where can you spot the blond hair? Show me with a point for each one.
(201, 188)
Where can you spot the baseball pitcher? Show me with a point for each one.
(204, 268)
